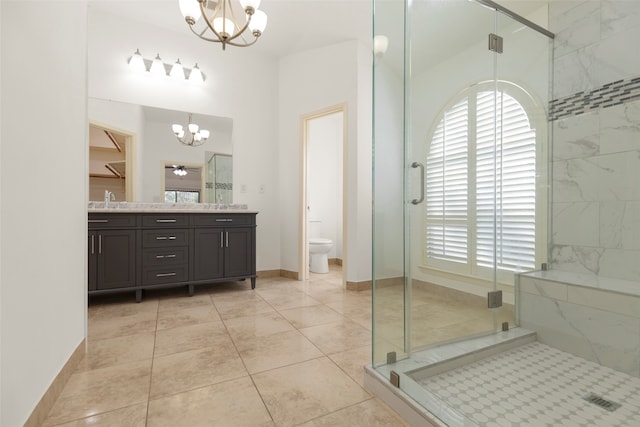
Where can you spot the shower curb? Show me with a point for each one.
(411, 412)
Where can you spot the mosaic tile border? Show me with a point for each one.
(608, 95)
(224, 186)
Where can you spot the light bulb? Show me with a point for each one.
(157, 67)
(176, 129)
(196, 75)
(224, 26)
(204, 133)
(258, 23)
(380, 44)
(177, 72)
(136, 62)
(193, 128)
(190, 10)
(250, 4)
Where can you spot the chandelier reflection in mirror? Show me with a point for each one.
(196, 135)
(221, 25)
(179, 170)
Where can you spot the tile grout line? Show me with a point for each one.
(153, 358)
(235, 346)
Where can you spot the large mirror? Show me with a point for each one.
(150, 150)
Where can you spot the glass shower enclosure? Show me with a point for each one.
(461, 178)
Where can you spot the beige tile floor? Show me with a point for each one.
(288, 353)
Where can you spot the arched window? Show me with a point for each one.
(482, 178)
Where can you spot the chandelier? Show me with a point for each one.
(196, 137)
(222, 24)
(179, 170)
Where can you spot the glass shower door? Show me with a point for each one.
(451, 230)
(424, 289)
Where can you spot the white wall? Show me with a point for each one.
(324, 178)
(389, 166)
(251, 104)
(309, 82)
(43, 247)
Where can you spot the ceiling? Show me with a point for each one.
(298, 25)
(293, 25)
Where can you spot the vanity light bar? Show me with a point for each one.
(159, 68)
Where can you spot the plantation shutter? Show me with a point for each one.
(502, 185)
(447, 187)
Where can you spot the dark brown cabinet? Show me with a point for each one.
(224, 252)
(136, 251)
(238, 256)
(112, 254)
(208, 262)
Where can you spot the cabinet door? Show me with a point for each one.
(239, 252)
(116, 259)
(208, 253)
(93, 260)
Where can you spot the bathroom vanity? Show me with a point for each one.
(137, 246)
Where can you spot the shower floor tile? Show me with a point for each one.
(537, 385)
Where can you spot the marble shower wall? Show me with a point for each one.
(583, 316)
(596, 137)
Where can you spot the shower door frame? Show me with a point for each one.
(405, 382)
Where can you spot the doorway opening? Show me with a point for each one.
(111, 163)
(323, 201)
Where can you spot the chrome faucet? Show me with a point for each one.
(108, 196)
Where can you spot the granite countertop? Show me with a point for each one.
(145, 207)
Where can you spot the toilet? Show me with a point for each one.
(318, 249)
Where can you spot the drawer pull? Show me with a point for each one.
(166, 237)
(102, 221)
(165, 220)
(224, 220)
(165, 256)
(165, 274)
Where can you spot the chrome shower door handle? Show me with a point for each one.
(421, 166)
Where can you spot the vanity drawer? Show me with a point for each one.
(222, 220)
(99, 221)
(165, 220)
(157, 257)
(165, 238)
(165, 275)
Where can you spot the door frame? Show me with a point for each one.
(131, 142)
(303, 247)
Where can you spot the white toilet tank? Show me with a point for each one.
(314, 228)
